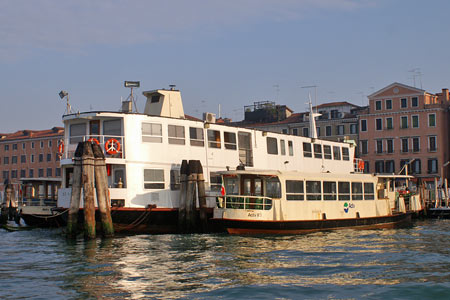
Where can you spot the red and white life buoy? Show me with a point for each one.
(94, 140)
(112, 146)
(60, 148)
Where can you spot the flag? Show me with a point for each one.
(222, 190)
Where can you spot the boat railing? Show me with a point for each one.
(72, 142)
(244, 202)
(38, 202)
(358, 165)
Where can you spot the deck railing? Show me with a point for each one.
(244, 202)
(38, 202)
(72, 142)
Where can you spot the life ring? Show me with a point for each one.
(112, 146)
(94, 140)
(60, 148)
(361, 165)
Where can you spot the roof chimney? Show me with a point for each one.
(445, 95)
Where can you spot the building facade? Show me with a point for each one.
(30, 154)
(405, 128)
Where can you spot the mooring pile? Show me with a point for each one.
(192, 182)
(89, 174)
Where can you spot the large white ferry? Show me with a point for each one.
(144, 152)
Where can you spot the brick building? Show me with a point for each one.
(408, 126)
(30, 154)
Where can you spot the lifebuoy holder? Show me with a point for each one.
(60, 148)
(94, 140)
(112, 146)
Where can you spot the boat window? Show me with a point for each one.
(282, 147)
(307, 150)
(294, 190)
(357, 193)
(272, 147)
(176, 135)
(229, 140)
(112, 127)
(273, 187)
(215, 182)
(77, 131)
(151, 133)
(344, 191)
(245, 149)
(174, 179)
(337, 152)
(327, 152)
(291, 148)
(247, 187)
(213, 138)
(329, 190)
(231, 185)
(153, 178)
(196, 136)
(317, 151)
(345, 153)
(368, 191)
(313, 190)
(155, 99)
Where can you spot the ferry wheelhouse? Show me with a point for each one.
(283, 202)
(143, 164)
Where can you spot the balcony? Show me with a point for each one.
(71, 143)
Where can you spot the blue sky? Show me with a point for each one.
(217, 52)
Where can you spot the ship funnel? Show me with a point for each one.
(164, 103)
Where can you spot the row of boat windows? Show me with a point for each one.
(155, 179)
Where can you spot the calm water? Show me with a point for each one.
(412, 263)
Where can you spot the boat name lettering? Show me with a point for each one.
(254, 214)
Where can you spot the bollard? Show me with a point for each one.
(88, 190)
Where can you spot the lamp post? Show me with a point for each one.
(406, 170)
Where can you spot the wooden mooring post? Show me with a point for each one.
(191, 196)
(88, 190)
(202, 196)
(183, 190)
(72, 221)
(101, 187)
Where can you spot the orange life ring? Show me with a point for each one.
(361, 165)
(94, 140)
(60, 148)
(112, 146)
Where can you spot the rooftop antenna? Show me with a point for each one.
(220, 115)
(362, 97)
(277, 90)
(416, 73)
(65, 94)
(315, 93)
(172, 87)
(132, 85)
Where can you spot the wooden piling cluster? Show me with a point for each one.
(90, 174)
(192, 183)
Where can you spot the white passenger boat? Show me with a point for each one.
(144, 152)
(283, 202)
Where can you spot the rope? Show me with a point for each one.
(136, 222)
(49, 217)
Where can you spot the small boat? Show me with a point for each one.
(284, 202)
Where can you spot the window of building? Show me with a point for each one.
(49, 143)
(272, 147)
(176, 134)
(13, 173)
(245, 148)
(364, 147)
(388, 103)
(329, 190)
(313, 190)
(390, 145)
(403, 103)
(31, 173)
(295, 131)
(32, 158)
(353, 129)
(41, 143)
(32, 145)
(379, 166)
(416, 166)
(345, 153)
(151, 132)
(175, 179)
(379, 124)
(23, 146)
(414, 102)
(357, 191)
(405, 147)
(284, 130)
(23, 159)
(379, 144)
(416, 144)
(318, 131)
(40, 172)
(14, 160)
(378, 105)
(49, 157)
(41, 157)
(337, 153)
(14, 146)
(282, 147)
(58, 172)
(369, 193)
(363, 125)
(307, 150)
(432, 165)
(305, 131)
(404, 122)
(196, 136)
(49, 172)
(23, 173)
(344, 191)
(340, 130)
(432, 144)
(415, 121)
(6, 160)
(431, 120)
(229, 140)
(214, 139)
(328, 131)
(76, 133)
(389, 166)
(5, 174)
(389, 123)
(6, 147)
(153, 179)
(327, 152)
(291, 148)
(404, 166)
(317, 151)
(366, 166)
(294, 190)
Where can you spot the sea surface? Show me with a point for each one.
(410, 263)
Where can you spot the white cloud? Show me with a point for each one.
(73, 24)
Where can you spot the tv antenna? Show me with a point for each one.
(416, 73)
(277, 90)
